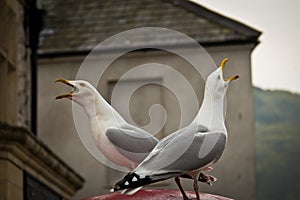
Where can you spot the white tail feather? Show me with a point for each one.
(131, 191)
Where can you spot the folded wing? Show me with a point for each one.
(132, 142)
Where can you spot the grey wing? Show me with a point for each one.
(180, 135)
(170, 149)
(204, 150)
(187, 154)
(133, 143)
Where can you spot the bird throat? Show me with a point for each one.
(211, 113)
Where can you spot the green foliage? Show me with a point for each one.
(278, 144)
(276, 106)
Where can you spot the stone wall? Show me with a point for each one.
(22, 155)
(23, 70)
(8, 60)
(14, 66)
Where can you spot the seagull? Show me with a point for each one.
(120, 142)
(191, 150)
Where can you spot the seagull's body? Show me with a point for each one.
(188, 151)
(120, 142)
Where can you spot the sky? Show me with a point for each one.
(276, 60)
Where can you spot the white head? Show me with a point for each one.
(216, 84)
(83, 92)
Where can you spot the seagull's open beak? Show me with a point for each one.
(70, 94)
(222, 65)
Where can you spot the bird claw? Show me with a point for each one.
(206, 178)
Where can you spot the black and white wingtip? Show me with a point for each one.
(131, 183)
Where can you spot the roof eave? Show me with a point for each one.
(84, 52)
(202, 11)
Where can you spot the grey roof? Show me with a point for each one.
(78, 26)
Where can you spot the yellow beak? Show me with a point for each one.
(222, 65)
(68, 95)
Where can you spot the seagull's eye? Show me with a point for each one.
(82, 84)
(219, 77)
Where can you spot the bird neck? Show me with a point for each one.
(99, 107)
(211, 113)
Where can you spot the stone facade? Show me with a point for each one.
(23, 90)
(15, 66)
(22, 154)
(9, 15)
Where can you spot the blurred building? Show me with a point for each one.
(73, 28)
(28, 168)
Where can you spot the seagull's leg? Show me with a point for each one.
(177, 180)
(196, 188)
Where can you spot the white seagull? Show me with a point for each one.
(119, 141)
(188, 151)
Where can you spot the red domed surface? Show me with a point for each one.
(156, 195)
